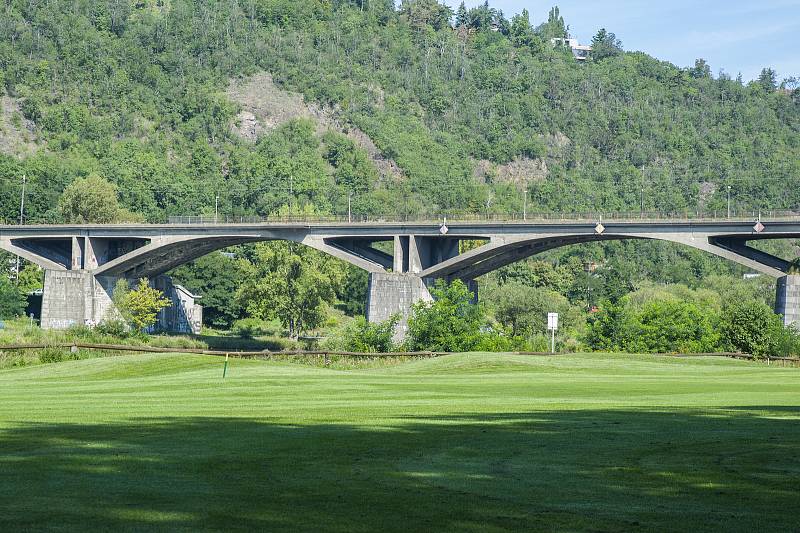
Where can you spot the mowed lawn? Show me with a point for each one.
(470, 442)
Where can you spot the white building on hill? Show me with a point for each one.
(581, 52)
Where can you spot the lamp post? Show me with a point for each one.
(729, 201)
(525, 204)
(21, 220)
(349, 204)
(216, 207)
(641, 212)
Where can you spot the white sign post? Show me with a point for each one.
(552, 325)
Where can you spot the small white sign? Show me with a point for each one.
(552, 321)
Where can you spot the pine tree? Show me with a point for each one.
(461, 16)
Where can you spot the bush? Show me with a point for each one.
(362, 336)
(752, 327)
(52, 355)
(451, 323)
(114, 328)
(249, 328)
(12, 302)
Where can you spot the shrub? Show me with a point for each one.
(12, 301)
(249, 328)
(451, 323)
(52, 355)
(114, 328)
(362, 336)
(752, 327)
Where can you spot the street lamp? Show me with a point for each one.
(21, 220)
(729, 201)
(216, 207)
(349, 203)
(525, 204)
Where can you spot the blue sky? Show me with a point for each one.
(733, 35)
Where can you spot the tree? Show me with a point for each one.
(450, 323)
(481, 17)
(461, 16)
(768, 80)
(421, 13)
(292, 283)
(605, 44)
(92, 200)
(672, 326)
(215, 277)
(701, 69)
(139, 307)
(524, 308)
(12, 301)
(30, 278)
(522, 33)
(555, 27)
(751, 327)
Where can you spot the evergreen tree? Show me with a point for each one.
(462, 17)
(768, 79)
(605, 44)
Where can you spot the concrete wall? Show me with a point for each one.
(75, 297)
(787, 300)
(389, 294)
(184, 315)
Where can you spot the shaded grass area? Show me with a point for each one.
(468, 442)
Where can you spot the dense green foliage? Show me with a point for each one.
(216, 278)
(12, 301)
(291, 283)
(134, 92)
(363, 336)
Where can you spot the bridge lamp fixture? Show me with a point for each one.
(443, 229)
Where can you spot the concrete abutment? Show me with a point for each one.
(787, 300)
(78, 297)
(389, 294)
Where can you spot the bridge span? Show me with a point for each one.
(82, 262)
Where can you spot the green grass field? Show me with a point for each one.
(466, 442)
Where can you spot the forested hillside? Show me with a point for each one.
(136, 92)
(283, 107)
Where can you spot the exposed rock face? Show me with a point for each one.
(706, 191)
(265, 106)
(519, 171)
(17, 134)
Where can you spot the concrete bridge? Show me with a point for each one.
(83, 262)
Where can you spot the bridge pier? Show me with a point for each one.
(78, 297)
(389, 294)
(787, 300)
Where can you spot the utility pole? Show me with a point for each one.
(291, 194)
(525, 204)
(21, 220)
(641, 212)
(349, 204)
(729, 201)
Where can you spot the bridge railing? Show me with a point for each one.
(431, 218)
(750, 215)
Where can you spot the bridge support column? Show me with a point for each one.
(390, 294)
(77, 297)
(787, 300)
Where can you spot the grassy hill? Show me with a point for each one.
(465, 442)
